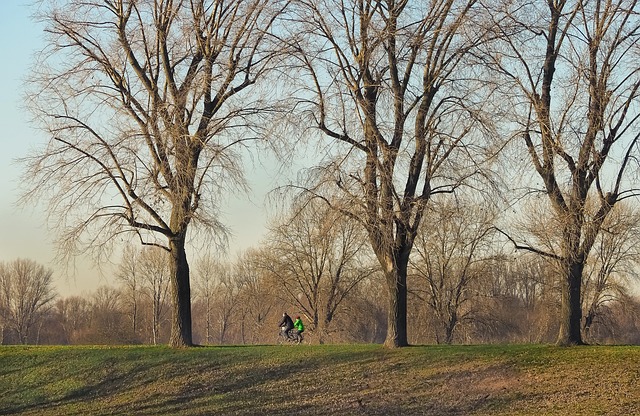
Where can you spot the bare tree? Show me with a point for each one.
(74, 313)
(205, 289)
(255, 300)
(26, 291)
(218, 288)
(108, 318)
(229, 287)
(366, 306)
(613, 266)
(572, 86)
(130, 275)
(155, 273)
(391, 86)
(145, 103)
(316, 257)
(452, 254)
(145, 275)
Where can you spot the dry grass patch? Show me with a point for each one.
(314, 380)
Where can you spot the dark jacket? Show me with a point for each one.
(286, 322)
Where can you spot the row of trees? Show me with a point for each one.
(148, 103)
(25, 297)
(466, 287)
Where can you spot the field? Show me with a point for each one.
(320, 380)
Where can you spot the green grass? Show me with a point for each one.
(320, 380)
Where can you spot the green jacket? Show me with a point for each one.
(298, 325)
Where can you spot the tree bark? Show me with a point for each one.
(392, 64)
(397, 308)
(571, 309)
(181, 332)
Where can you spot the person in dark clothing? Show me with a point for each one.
(286, 325)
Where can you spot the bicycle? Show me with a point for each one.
(293, 338)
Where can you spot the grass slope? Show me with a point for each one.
(320, 380)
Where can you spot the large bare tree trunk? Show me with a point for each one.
(571, 308)
(396, 280)
(140, 109)
(403, 134)
(397, 309)
(181, 335)
(571, 284)
(571, 128)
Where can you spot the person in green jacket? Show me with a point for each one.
(299, 327)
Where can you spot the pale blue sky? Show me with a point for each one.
(23, 232)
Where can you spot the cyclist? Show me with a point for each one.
(299, 326)
(286, 325)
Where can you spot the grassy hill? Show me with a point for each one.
(320, 380)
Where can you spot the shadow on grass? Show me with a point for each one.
(69, 378)
(250, 380)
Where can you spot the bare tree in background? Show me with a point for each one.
(256, 300)
(26, 291)
(572, 84)
(204, 285)
(108, 318)
(129, 274)
(452, 255)
(612, 269)
(316, 257)
(218, 288)
(155, 272)
(144, 103)
(145, 275)
(74, 313)
(522, 298)
(391, 87)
